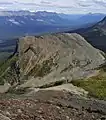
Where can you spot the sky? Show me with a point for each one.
(61, 6)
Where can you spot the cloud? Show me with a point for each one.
(65, 6)
(100, 2)
(46, 2)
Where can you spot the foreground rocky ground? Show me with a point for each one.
(51, 105)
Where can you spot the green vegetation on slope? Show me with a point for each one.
(4, 55)
(96, 86)
(4, 66)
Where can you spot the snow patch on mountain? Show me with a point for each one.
(14, 22)
(39, 20)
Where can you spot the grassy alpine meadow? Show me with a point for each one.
(96, 86)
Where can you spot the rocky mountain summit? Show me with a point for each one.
(36, 79)
(56, 58)
(52, 59)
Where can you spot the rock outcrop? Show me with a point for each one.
(52, 59)
(2, 117)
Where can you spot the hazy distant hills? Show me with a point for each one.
(84, 19)
(96, 34)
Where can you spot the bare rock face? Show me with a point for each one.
(2, 117)
(55, 58)
(4, 88)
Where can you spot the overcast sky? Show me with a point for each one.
(63, 6)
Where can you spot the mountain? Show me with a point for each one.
(71, 16)
(20, 23)
(50, 59)
(84, 18)
(91, 18)
(16, 13)
(96, 35)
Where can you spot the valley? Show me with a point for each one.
(7, 48)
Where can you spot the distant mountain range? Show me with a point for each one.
(96, 35)
(84, 18)
(15, 24)
(20, 23)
